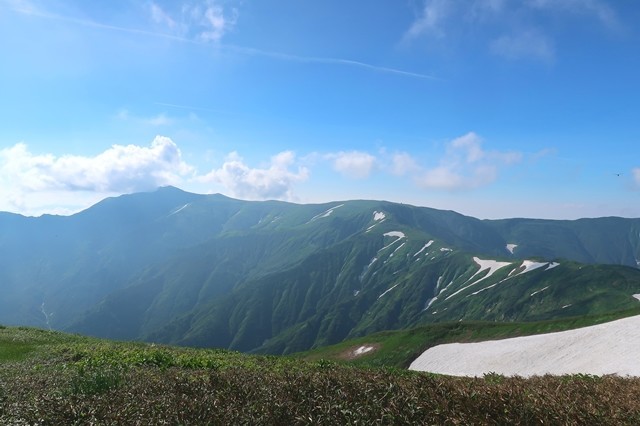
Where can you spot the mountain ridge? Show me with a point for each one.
(271, 276)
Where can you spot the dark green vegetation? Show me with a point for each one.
(274, 277)
(67, 379)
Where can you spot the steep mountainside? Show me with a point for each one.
(279, 277)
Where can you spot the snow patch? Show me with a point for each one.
(429, 303)
(362, 350)
(396, 234)
(366, 268)
(326, 213)
(426, 246)
(637, 296)
(399, 247)
(552, 265)
(491, 265)
(355, 293)
(387, 291)
(609, 348)
(566, 306)
(378, 215)
(439, 282)
(511, 247)
(530, 266)
(538, 291)
(179, 209)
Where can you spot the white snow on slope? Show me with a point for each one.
(399, 247)
(325, 214)
(378, 215)
(511, 247)
(637, 296)
(538, 291)
(362, 350)
(426, 246)
(491, 265)
(387, 291)
(610, 348)
(429, 303)
(396, 234)
(179, 209)
(552, 265)
(443, 249)
(528, 267)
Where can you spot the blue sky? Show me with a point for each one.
(493, 108)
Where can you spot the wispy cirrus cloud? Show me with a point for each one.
(431, 19)
(202, 23)
(158, 120)
(527, 44)
(205, 21)
(508, 29)
(597, 9)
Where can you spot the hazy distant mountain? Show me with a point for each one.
(278, 277)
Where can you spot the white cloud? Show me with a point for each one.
(636, 176)
(354, 164)
(431, 19)
(506, 28)
(527, 44)
(402, 163)
(159, 16)
(273, 182)
(205, 21)
(466, 165)
(161, 119)
(118, 169)
(596, 8)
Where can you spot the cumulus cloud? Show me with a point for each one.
(118, 169)
(402, 163)
(273, 182)
(354, 164)
(466, 165)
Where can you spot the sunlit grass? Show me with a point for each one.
(64, 379)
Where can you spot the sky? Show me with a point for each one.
(492, 108)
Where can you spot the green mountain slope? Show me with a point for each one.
(277, 277)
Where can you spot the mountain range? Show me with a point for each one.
(274, 277)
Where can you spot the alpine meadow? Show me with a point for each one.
(286, 213)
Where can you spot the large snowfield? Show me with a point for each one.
(609, 348)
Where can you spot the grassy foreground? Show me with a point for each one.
(53, 378)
